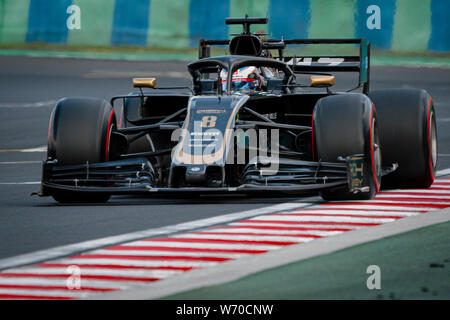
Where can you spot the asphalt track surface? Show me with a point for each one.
(29, 87)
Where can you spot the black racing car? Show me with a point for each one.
(247, 125)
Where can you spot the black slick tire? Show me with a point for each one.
(79, 132)
(408, 135)
(344, 125)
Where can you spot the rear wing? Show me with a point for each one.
(313, 64)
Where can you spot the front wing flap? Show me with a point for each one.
(137, 176)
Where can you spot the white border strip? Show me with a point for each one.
(443, 172)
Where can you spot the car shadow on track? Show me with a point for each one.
(192, 200)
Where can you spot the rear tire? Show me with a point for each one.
(345, 125)
(79, 132)
(407, 123)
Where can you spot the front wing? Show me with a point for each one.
(137, 176)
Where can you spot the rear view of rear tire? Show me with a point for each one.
(79, 132)
(345, 125)
(407, 123)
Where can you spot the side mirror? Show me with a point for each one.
(144, 82)
(321, 81)
(274, 84)
(208, 86)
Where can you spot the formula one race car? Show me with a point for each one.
(245, 126)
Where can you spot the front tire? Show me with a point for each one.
(79, 132)
(345, 125)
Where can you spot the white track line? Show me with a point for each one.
(249, 231)
(415, 191)
(13, 183)
(314, 218)
(97, 271)
(293, 225)
(46, 293)
(37, 149)
(19, 162)
(443, 172)
(396, 196)
(400, 202)
(243, 238)
(47, 103)
(88, 283)
(136, 263)
(199, 245)
(375, 207)
(352, 212)
(150, 253)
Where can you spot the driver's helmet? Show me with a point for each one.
(246, 78)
